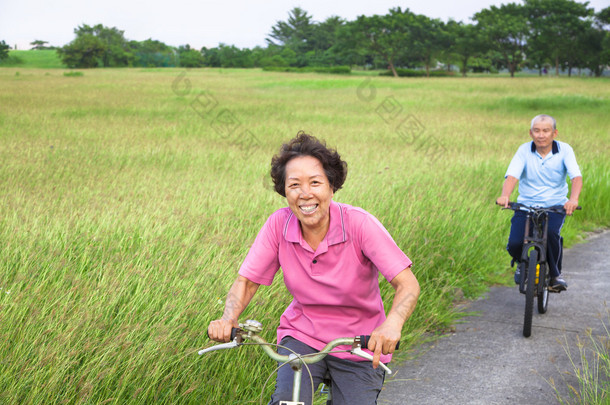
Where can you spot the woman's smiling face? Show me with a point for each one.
(308, 192)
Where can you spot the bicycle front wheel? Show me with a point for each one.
(530, 292)
(543, 294)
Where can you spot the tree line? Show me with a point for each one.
(537, 34)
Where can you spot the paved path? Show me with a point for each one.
(488, 361)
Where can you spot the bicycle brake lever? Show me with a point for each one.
(359, 352)
(221, 346)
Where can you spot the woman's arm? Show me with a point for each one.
(385, 337)
(239, 297)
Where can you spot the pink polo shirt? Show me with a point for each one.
(335, 288)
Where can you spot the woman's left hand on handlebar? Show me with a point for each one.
(383, 341)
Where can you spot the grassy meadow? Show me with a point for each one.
(129, 198)
(43, 58)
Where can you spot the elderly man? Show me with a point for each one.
(541, 167)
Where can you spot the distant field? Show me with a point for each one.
(43, 59)
(131, 196)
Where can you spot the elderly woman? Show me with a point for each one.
(330, 255)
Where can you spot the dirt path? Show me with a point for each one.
(488, 361)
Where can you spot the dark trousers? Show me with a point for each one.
(554, 239)
(353, 382)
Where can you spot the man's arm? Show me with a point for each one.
(385, 337)
(239, 297)
(507, 188)
(572, 203)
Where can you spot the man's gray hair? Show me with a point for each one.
(543, 117)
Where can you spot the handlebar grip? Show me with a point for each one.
(234, 332)
(364, 342)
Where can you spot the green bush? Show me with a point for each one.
(11, 61)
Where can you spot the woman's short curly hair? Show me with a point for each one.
(307, 145)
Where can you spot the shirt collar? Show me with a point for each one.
(336, 230)
(554, 148)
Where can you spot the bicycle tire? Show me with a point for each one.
(543, 294)
(530, 292)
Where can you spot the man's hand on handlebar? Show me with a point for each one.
(570, 207)
(503, 201)
(220, 330)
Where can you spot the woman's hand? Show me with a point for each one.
(220, 330)
(383, 340)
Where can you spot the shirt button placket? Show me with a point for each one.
(315, 269)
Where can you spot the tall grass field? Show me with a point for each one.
(129, 198)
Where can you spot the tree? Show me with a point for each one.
(85, 51)
(95, 46)
(464, 43)
(324, 39)
(556, 26)
(428, 39)
(153, 53)
(296, 33)
(231, 56)
(190, 57)
(386, 36)
(117, 49)
(228, 56)
(595, 44)
(39, 44)
(505, 30)
(351, 47)
(3, 50)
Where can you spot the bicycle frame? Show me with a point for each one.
(538, 241)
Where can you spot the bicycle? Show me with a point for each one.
(250, 330)
(534, 262)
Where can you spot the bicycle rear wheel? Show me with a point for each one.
(543, 294)
(530, 292)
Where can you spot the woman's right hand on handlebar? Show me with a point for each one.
(220, 330)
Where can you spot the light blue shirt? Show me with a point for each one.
(542, 181)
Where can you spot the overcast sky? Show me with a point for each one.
(242, 23)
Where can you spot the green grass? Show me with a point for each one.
(591, 367)
(42, 59)
(128, 203)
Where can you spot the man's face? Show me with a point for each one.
(542, 134)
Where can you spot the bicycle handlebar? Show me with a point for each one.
(518, 206)
(238, 335)
(364, 339)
